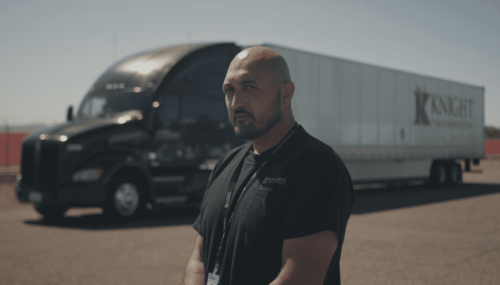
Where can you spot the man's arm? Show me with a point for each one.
(195, 270)
(306, 259)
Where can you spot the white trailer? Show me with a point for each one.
(386, 124)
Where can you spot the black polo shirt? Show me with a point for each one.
(306, 189)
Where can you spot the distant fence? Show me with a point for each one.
(10, 148)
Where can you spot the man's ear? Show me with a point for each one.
(288, 90)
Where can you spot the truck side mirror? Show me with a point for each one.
(69, 114)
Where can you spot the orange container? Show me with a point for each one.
(13, 142)
(492, 146)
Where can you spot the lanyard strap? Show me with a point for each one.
(230, 205)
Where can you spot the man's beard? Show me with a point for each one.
(249, 131)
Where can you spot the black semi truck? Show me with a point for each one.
(149, 130)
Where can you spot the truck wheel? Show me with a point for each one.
(125, 200)
(454, 173)
(439, 174)
(51, 213)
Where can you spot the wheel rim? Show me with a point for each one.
(441, 174)
(126, 199)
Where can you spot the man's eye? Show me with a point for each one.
(249, 87)
(227, 90)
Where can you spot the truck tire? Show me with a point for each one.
(439, 173)
(125, 200)
(51, 213)
(454, 173)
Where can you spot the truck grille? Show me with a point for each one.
(28, 166)
(45, 163)
(49, 156)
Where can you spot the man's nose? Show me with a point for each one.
(238, 101)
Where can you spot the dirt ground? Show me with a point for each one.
(396, 235)
(488, 171)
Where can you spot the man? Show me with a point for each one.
(276, 209)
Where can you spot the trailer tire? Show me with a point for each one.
(454, 173)
(439, 173)
(51, 213)
(125, 199)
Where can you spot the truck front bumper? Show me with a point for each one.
(71, 195)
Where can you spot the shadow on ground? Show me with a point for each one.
(161, 217)
(382, 199)
(368, 200)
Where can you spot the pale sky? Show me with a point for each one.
(52, 51)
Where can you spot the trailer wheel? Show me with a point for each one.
(51, 213)
(439, 174)
(454, 173)
(125, 199)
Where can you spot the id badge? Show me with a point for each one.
(213, 279)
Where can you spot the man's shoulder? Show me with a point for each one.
(233, 152)
(312, 149)
(227, 157)
(313, 157)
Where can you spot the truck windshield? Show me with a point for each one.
(101, 105)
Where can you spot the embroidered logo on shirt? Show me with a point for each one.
(278, 180)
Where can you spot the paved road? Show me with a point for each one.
(400, 235)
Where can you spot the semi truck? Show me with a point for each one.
(152, 126)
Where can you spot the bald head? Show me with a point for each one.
(263, 60)
(258, 94)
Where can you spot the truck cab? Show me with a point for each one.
(150, 130)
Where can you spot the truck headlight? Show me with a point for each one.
(91, 174)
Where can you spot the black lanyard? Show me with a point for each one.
(229, 206)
